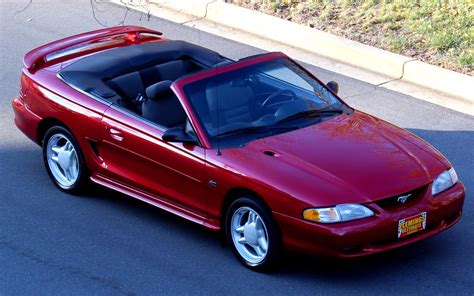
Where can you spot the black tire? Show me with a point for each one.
(81, 182)
(274, 251)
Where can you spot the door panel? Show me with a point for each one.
(134, 154)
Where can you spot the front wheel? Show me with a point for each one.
(63, 160)
(253, 234)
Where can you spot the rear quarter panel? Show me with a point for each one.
(48, 97)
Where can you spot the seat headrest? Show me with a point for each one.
(159, 88)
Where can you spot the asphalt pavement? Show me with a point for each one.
(105, 243)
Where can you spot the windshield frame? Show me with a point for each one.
(179, 84)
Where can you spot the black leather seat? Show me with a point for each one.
(130, 88)
(167, 71)
(236, 103)
(162, 105)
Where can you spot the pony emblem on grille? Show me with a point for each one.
(403, 198)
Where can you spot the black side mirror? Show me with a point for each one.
(177, 134)
(333, 86)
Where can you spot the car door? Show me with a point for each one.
(135, 155)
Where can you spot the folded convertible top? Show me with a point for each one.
(90, 73)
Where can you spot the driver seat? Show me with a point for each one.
(235, 103)
(162, 106)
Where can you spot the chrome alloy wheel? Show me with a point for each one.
(62, 159)
(249, 235)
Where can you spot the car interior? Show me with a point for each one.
(147, 90)
(138, 78)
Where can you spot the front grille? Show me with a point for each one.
(395, 202)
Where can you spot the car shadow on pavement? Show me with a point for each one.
(456, 145)
(139, 208)
(294, 266)
(450, 143)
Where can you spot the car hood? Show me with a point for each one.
(353, 158)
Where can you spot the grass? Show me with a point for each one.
(439, 32)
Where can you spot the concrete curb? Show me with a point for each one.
(306, 38)
(437, 78)
(324, 44)
(196, 8)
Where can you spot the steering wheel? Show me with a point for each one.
(282, 92)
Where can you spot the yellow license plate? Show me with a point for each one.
(411, 225)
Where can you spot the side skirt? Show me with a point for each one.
(161, 203)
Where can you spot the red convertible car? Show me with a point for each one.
(258, 148)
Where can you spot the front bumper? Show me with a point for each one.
(374, 234)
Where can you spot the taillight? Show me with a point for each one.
(23, 89)
(20, 90)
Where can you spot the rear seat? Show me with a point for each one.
(131, 86)
(167, 71)
(128, 86)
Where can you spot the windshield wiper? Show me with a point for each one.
(311, 114)
(258, 129)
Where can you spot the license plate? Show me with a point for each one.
(411, 225)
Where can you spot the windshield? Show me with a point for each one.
(260, 100)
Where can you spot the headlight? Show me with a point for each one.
(339, 213)
(444, 181)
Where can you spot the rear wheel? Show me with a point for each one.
(253, 234)
(63, 160)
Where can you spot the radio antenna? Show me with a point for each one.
(218, 152)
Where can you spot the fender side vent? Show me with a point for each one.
(271, 153)
(93, 145)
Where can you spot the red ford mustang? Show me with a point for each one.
(258, 148)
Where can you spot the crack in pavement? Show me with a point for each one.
(202, 17)
(75, 271)
(362, 93)
(401, 76)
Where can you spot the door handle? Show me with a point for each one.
(116, 134)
